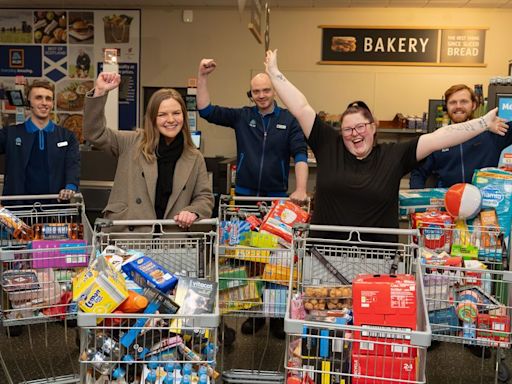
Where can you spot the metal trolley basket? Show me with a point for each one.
(127, 347)
(35, 276)
(469, 305)
(253, 282)
(327, 350)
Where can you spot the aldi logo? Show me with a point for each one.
(16, 58)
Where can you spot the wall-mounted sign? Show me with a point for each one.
(462, 46)
(402, 46)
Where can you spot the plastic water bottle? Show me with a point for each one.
(168, 379)
(119, 375)
(187, 369)
(210, 350)
(185, 379)
(177, 373)
(203, 379)
(202, 371)
(151, 378)
(169, 369)
(152, 364)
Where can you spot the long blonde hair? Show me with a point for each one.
(150, 133)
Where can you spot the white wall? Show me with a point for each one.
(171, 51)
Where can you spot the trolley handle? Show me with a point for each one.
(374, 230)
(54, 196)
(227, 198)
(100, 222)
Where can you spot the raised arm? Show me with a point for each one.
(455, 134)
(94, 128)
(206, 66)
(294, 99)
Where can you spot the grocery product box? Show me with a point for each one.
(419, 200)
(380, 341)
(146, 272)
(444, 321)
(385, 300)
(402, 369)
(248, 254)
(241, 298)
(279, 274)
(232, 277)
(59, 253)
(494, 329)
(274, 300)
(258, 239)
(99, 288)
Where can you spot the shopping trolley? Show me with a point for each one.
(321, 345)
(253, 283)
(468, 288)
(155, 345)
(37, 313)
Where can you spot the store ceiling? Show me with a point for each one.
(273, 3)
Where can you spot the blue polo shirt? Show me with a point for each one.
(37, 172)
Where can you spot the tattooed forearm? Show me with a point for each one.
(281, 77)
(467, 126)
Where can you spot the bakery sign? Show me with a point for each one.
(403, 46)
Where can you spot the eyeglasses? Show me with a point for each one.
(359, 128)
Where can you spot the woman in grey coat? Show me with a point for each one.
(160, 174)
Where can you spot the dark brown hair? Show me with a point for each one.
(40, 84)
(358, 107)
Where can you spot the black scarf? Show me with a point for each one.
(167, 155)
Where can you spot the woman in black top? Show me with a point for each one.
(357, 179)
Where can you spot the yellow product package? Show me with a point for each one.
(249, 254)
(99, 288)
(278, 274)
(240, 298)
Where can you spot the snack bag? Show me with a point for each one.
(281, 218)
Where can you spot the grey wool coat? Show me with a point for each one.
(133, 194)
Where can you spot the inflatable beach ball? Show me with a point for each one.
(463, 201)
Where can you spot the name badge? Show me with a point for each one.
(62, 144)
(281, 126)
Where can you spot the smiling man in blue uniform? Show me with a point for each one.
(40, 156)
(456, 164)
(267, 136)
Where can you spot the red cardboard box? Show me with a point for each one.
(402, 369)
(385, 300)
(380, 342)
(494, 329)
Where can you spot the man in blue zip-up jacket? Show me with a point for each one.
(266, 137)
(40, 156)
(457, 164)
